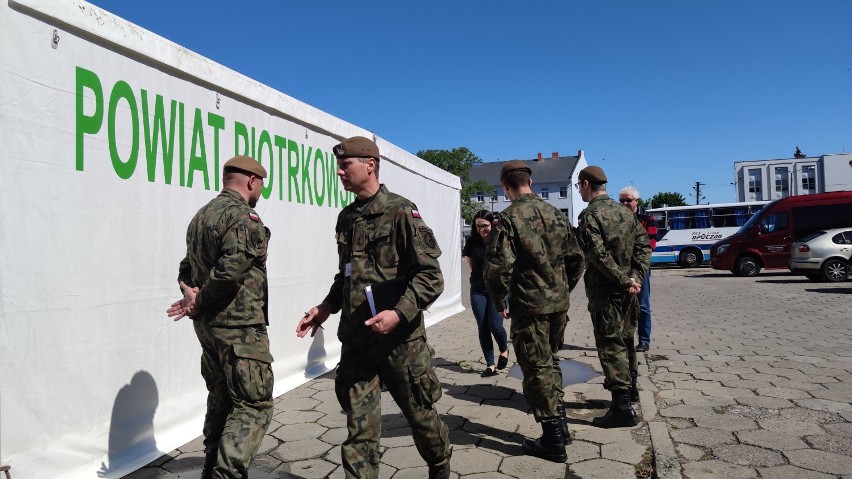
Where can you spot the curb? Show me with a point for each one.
(666, 464)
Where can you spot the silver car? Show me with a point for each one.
(823, 255)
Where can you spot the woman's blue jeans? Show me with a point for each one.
(489, 322)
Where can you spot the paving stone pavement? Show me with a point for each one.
(746, 377)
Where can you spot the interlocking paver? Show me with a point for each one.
(742, 389)
(745, 455)
(821, 461)
(791, 472)
(771, 440)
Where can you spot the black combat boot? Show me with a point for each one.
(634, 391)
(566, 434)
(551, 444)
(439, 472)
(209, 464)
(620, 413)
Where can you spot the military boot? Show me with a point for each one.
(566, 434)
(634, 391)
(209, 464)
(551, 444)
(439, 472)
(620, 413)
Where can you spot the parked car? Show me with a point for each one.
(823, 255)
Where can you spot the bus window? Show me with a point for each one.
(774, 222)
(681, 220)
(702, 219)
(727, 217)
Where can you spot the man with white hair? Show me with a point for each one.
(629, 197)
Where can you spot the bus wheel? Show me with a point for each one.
(690, 258)
(748, 266)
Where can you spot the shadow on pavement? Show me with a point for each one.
(463, 432)
(784, 281)
(845, 290)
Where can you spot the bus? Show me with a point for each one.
(686, 233)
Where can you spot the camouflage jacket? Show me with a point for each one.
(226, 246)
(616, 245)
(533, 256)
(380, 239)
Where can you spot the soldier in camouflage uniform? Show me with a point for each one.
(535, 259)
(382, 242)
(618, 253)
(223, 277)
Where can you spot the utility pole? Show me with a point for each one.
(697, 189)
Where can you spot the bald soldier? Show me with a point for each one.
(618, 253)
(223, 278)
(382, 244)
(534, 259)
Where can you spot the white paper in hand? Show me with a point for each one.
(368, 291)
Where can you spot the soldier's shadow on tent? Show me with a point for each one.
(131, 429)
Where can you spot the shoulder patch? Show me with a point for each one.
(428, 237)
(253, 216)
(415, 213)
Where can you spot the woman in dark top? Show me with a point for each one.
(488, 320)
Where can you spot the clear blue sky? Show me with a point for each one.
(661, 94)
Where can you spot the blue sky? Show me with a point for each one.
(660, 94)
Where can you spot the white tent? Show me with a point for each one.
(110, 139)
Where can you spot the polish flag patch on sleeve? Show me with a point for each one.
(253, 216)
(415, 213)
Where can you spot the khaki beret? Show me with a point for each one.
(514, 165)
(246, 164)
(357, 146)
(593, 174)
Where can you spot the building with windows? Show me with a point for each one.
(552, 179)
(772, 179)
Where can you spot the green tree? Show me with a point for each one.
(667, 199)
(459, 161)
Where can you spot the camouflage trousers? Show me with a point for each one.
(235, 364)
(406, 370)
(537, 339)
(614, 321)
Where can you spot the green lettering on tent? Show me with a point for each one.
(124, 169)
(331, 181)
(181, 144)
(293, 171)
(319, 162)
(218, 123)
(265, 139)
(240, 131)
(87, 124)
(306, 173)
(198, 160)
(281, 144)
(154, 138)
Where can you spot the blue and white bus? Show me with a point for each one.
(686, 233)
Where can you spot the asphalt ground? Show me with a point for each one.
(745, 378)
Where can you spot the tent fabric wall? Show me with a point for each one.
(95, 380)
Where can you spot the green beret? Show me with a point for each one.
(593, 174)
(246, 164)
(514, 165)
(357, 146)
